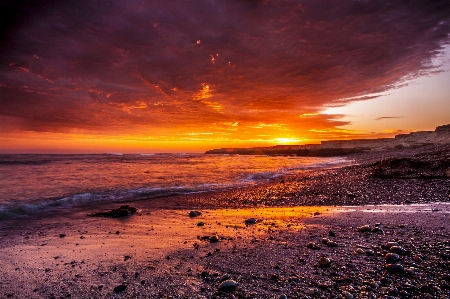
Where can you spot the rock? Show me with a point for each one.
(331, 244)
(390, 244)
(227, 286)
(250, 221)
(120, 288)
(225, 277)
(195, 213)
(313, 245)
(369, 252)
(122, 211)
(324, 262)
(417, 259)
(62, 235)
(364, 228)
(398, 249)
(283, 296)
(391, 258)
(214, 239)
(395, 268)
(311, 291)
(317, 213)
(201, 224)
(359, 251)
(332, 233)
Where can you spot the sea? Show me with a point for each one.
(33, 184)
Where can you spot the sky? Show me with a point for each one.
(91, 76)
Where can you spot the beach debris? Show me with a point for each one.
(227, 286)
(250, 221)
(122, 211)
(195, 213)
(120, 288)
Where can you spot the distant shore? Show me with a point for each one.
(319, 234)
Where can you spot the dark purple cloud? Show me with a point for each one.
(127, 65)
(387, 117)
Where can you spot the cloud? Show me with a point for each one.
(85, 65)
(387, 117)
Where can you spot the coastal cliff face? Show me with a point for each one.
(441, 135)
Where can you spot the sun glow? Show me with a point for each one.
(286, 140)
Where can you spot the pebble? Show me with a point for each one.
(201, 224)
(195, 213)
(331, 244)
(398, 250)
(250, 221)
(392, 258)
(228, 286)
(392, 243)
(283, 296)
(120, 288)
(214, 239)
(311, 291)
(359, 251)
(62, 235)
(313, 245)
(324, 262)
(332, 233)
(395, 268)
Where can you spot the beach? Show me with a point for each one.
(317, 234)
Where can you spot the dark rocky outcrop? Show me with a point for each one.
(331, 148)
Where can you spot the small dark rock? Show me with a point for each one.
(324, 262)
(214, 239)
(398, 249)
(228, 286)
(194, 213)
(250, 221)
(391, 258)
(201, 224)
(62, 235)
(120, 288)
(332, 233)
(313, 245)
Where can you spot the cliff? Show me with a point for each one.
(441, 135)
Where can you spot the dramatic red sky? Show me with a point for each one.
(168, 76)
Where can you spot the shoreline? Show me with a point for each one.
(160, 252)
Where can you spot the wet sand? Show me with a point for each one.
(161, 252)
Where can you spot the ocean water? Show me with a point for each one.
(31, 184)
